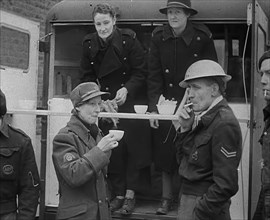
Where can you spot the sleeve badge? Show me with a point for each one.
(227, 153)
(68, 157)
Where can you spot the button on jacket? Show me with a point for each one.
(210, 155)
(80, 168)
(18, 174)
(119, 64)
(170, 57)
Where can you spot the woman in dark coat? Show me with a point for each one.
(114, 58)
(174, 47)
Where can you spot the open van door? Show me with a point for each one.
(260, 40)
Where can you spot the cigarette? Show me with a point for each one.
(265, 92)
(188, 104)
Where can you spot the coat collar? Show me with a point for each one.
(187, 35)
(115, 42)
(207, 118)
(266, 112)
(4, 129)
(80, 129)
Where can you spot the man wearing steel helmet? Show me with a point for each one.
(208, 145)
(174, 47)
(263, 207)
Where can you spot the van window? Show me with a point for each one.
(14, 51)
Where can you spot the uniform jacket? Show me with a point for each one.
(120, 64)
(18, 174)
(209, 155)
(263, 206)
(80, 169)
(170, 57)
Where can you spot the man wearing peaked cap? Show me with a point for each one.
(19, 191)
(263, 206)
(173, 48)
(209, 145)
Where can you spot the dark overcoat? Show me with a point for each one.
(169, 58)
(81, 170)
(19, 178)
(119, 64)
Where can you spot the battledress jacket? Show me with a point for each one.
(81, 171)
(18, 174)
(121, 63)
(169, 58)
(209, 156)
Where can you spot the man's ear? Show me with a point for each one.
(215, 89)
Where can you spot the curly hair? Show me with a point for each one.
(104, 9)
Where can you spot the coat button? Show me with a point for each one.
(107, 88)
(195, 55)
(99, 201)
(92, 63)
(122, 84)
(170, 85)
(198, 38)
(173, 99)
(124, 73)
(124, 42)
(125, 58)
(265, 133)
(167, 71)
(89, 47)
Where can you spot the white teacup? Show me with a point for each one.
(140, 109)
(117, 133)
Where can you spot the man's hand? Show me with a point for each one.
(185, 119)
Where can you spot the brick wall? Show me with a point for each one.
(34, 10)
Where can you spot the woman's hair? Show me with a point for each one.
(104, 9)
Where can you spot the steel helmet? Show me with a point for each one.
(204, 68)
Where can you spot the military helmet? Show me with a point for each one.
(202, 69)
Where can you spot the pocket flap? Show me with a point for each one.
(7, 152)
(202, 140)
(68, 212)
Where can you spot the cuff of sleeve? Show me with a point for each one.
(97, 159)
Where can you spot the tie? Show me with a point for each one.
(94, 130)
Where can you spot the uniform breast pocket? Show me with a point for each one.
(9, 159)
(201, 152)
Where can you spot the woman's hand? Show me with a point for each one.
(154, 122)
(107, 143)
(121, 96)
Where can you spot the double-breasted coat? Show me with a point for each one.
(19, 178)
(120, 63)
(81, 172)
(169, 58)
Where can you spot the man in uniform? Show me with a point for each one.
(263, 207)
(208, 145)
(19, 191)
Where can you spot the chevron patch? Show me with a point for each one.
(228, 154)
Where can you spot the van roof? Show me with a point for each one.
(79, 11)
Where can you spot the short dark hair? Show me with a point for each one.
(104, 9)
(221, 84)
